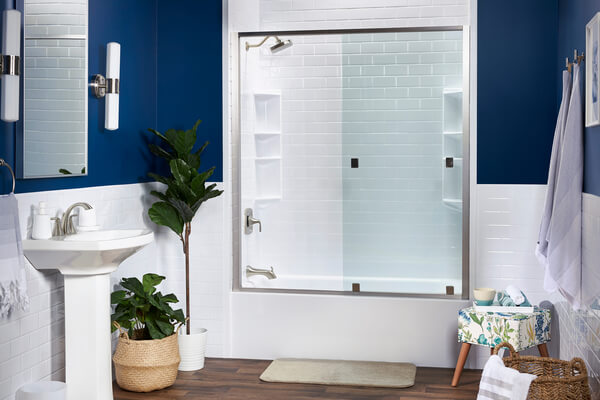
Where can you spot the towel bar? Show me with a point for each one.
(5, 164)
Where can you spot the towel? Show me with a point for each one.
(515, 294)
(564, 268)
(500, 382)
(505, 300)
(13, 290)
(541, 250)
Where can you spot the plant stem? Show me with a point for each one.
(188, 231)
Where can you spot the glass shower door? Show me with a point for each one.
(351, 158)
(402, 162)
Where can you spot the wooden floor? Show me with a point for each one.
(238, 379)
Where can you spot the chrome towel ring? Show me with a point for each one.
(12, 173)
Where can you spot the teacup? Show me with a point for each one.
(484, 296)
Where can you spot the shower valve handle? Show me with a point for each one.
(251, 221)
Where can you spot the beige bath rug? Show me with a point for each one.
(332, 372)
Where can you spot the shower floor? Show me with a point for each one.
(238, 379)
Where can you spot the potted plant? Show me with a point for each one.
(147, 355)
(185, 191)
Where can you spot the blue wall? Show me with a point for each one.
(190, 71)
(573, 17)
(517, 85)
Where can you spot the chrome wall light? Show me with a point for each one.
(10, 65)
(109, 87)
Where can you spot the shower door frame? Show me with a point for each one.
(236, 160)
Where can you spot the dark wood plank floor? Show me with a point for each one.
(238, 379)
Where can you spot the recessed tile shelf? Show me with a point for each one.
(267, 141)
(452, 147)
(267, 108)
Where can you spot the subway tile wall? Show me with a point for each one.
(32, 341)
(580, 330)
(327, 14)
(508, 218)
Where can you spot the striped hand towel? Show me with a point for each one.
(502, 383)
(13, 290)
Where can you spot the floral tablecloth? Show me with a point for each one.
(488, 329)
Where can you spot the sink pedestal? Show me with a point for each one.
(86, 261)
(88, 338)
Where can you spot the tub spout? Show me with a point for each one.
(269, 273)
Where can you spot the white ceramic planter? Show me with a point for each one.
(192, 349)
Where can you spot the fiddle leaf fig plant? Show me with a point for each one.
(185, 189)
(144, 312)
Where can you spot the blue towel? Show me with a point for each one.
(506, 301)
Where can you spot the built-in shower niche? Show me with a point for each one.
(267, 146)
(267, 108)
(453, 148)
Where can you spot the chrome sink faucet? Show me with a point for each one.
(65, 225)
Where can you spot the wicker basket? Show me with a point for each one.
(146, 365)
(557, 379)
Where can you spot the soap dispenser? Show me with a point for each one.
(42, 226)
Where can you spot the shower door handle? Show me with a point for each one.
(251, 221)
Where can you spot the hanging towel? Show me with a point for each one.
(500, 382)
(563, 268)
(13, 289)
(541, 249)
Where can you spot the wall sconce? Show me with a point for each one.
(10, 65)
(109, 87)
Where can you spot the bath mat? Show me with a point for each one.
(333, 372)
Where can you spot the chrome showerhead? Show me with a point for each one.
(280, 45)
(277, 47)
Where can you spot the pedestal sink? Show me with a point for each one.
(86, 261)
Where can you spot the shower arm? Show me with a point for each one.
(248, 45)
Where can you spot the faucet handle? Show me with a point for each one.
(250, 221)
(57, 231)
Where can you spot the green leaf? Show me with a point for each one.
(170, 298)
(181, 141)
(161, 179)
(155, 333)
(65, 171)
(208, 196)
(165, 214)
(178, 315)
(165, 327)
(117, 296)
(134, 285)
(157, 133)
(185, 211)
(149, 281)
(180, 170)
(160, 152)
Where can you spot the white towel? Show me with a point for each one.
(502, 383)
(563, 272)
(13, 290)
(515, 294)
(541, 249)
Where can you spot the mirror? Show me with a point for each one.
(55, 69)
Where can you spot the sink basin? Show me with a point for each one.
(86, 260)
(86, 253)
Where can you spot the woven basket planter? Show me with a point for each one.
(557, 379)
(146, 365)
